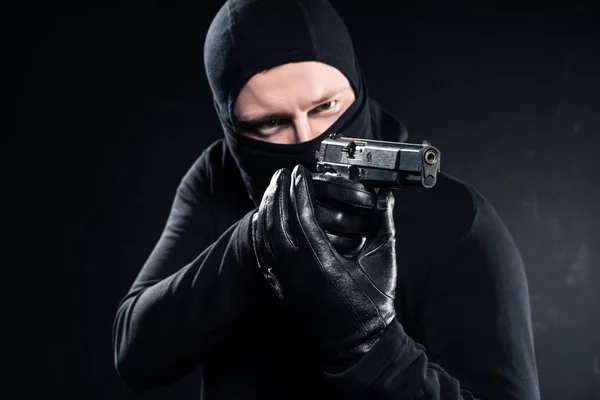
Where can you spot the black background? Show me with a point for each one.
(108, 106)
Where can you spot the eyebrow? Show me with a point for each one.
(251, 119)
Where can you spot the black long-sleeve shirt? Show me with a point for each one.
(463, 327)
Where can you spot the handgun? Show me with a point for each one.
(379, 164)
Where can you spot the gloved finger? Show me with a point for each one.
(261, 245)
(301, 194)
(277, 201)
(378, 257)
(344, 194)
(262, 220)
(266, 201)
(341, 222)
(383, 227)
(279, 224)
(387, 217)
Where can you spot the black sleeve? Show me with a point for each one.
(189, 298)
(478, 331)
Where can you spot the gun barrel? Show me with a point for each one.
(380, 163)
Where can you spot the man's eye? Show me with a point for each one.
(270, 124)
(328, 106)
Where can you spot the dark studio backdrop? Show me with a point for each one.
(109, 106)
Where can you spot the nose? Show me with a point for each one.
(303, 131)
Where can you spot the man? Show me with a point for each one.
(251, 281)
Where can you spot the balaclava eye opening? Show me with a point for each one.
(250, 36)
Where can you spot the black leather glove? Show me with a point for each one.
(343, 304)
(344, 209)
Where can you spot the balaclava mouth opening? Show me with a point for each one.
(250, 36)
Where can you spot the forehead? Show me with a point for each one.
(291, 86)
(308, 70)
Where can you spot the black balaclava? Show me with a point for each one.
(250, 36)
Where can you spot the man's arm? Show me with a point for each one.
(477, 324)
(188, 300)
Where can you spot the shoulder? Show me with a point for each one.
(433, 225)
(448, 232)
(463, 208)
(449, 208)
(205, 171)
(214, 181)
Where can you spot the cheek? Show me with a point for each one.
(321, 124)
(286, 136)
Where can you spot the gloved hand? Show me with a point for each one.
(343, 304)
(344, 209)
